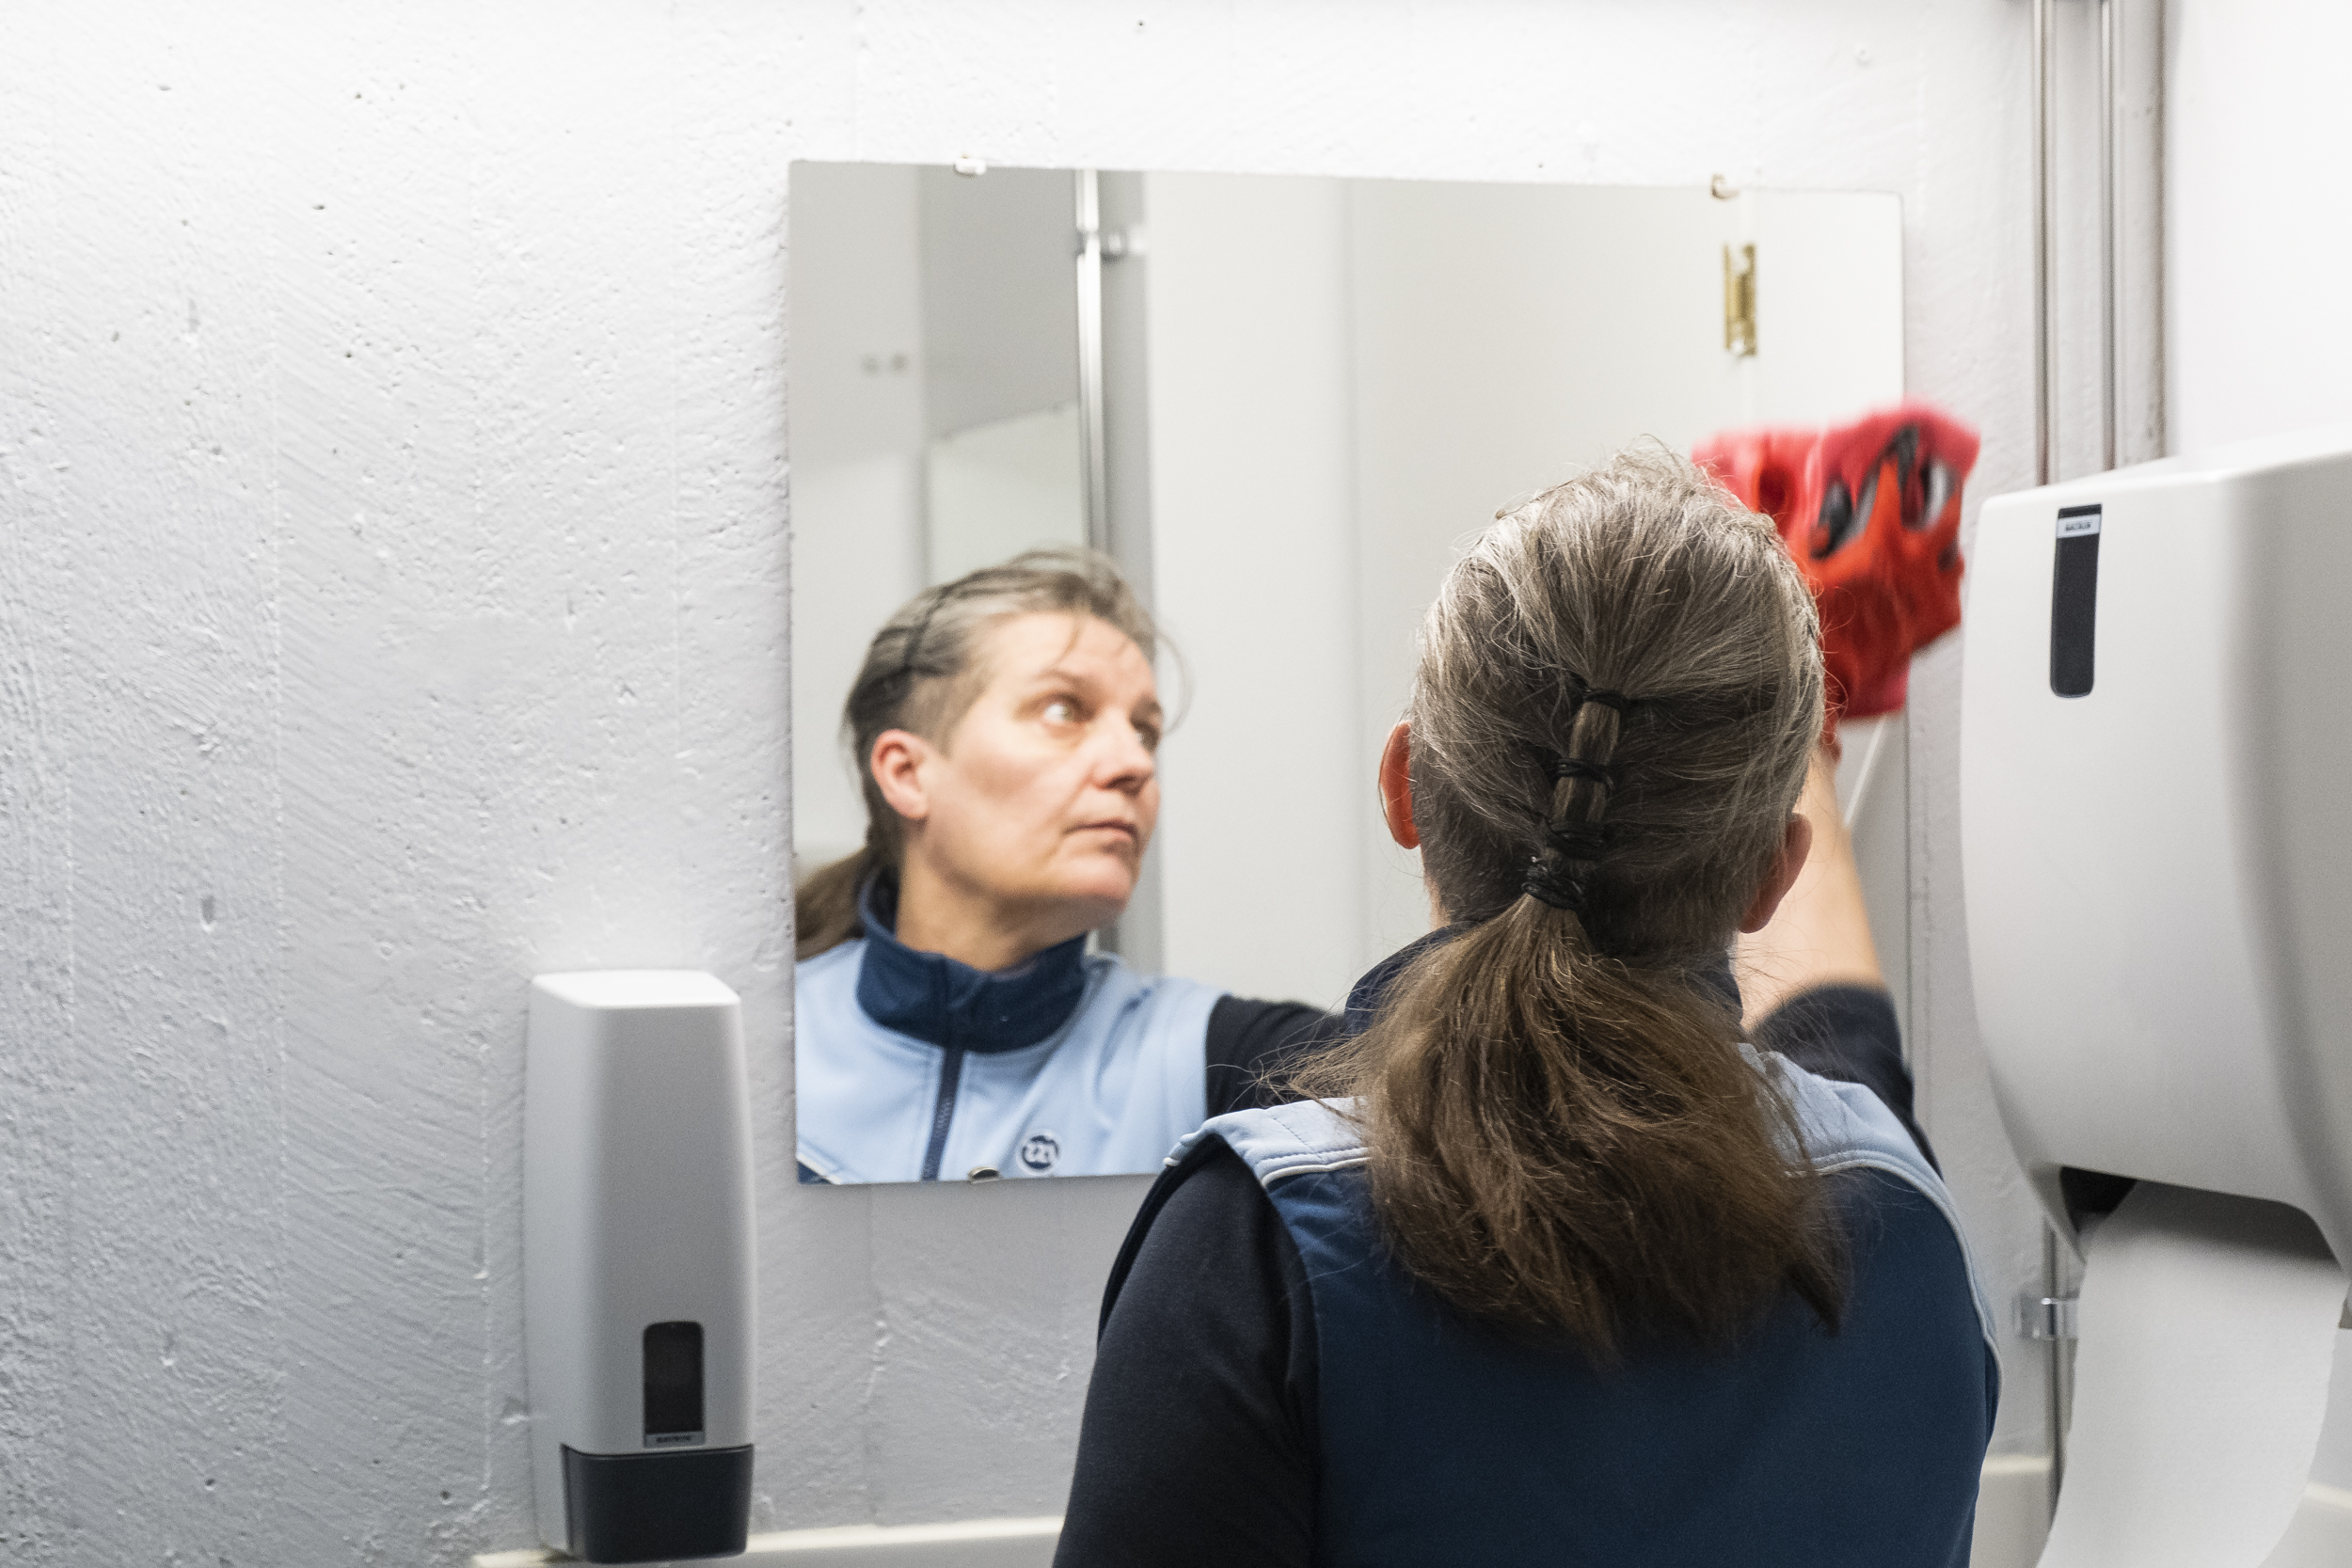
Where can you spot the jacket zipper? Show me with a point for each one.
(943, 1113)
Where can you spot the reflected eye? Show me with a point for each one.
(1061, 710)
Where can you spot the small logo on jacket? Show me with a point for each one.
(1039, 1151)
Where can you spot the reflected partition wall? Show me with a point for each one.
(937, 419)
(1003, 356)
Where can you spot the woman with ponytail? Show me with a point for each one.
(1560, 1263)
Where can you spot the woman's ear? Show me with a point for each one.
(1396, 786)
(896, 763)
(1795, 845)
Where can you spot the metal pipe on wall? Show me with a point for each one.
(2045, 419)
(2061, 1277)
(2110, 228)
(1092, 449)
(2044, 461)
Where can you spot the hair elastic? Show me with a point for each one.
(1582, 767)
(1548, 886)
(1618, 700)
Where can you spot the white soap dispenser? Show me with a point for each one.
(637, 1265)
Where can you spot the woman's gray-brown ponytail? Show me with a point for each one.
(1615, 702)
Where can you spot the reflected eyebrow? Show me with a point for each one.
(1057, 673)
(1060, 675)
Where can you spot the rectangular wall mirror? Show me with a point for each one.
(1280, 403)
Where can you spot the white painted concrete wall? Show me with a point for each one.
(392, 525)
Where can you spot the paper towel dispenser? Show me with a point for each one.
(2156, 825)
(637, 1265)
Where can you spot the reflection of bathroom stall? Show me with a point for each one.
(936, 406)
(1347, 379)
(858, 436)
(1002, 456)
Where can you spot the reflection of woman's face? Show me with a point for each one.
(1032, 814)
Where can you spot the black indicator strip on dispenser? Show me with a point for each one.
(2074, 601)
(673, 1385)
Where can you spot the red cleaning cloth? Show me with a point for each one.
(1870, 512)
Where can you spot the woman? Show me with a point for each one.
(1564, 1271)
(949, 1021)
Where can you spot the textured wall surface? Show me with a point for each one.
(393, 496)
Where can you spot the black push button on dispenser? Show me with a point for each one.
(673, 1385)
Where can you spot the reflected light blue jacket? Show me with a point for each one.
(910, 1066)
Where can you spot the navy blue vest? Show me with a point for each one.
(1444, 1442)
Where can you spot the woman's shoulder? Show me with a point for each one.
(1295, 1139)
(1155, 1002)
(834, 969)
(1847, 1127)
(1843, 1123)
(824, 991)
(841, 954)
(1111, 968)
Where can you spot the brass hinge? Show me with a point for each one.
(1740, 303)
(2046, 1316)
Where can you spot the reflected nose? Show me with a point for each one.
(1125, 763)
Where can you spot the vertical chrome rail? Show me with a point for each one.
(2110, 234)
(2044, 415)
(2052, 1283)
(2159, 406)
(1094, 468)
(1094, 474)
(2045, 463)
